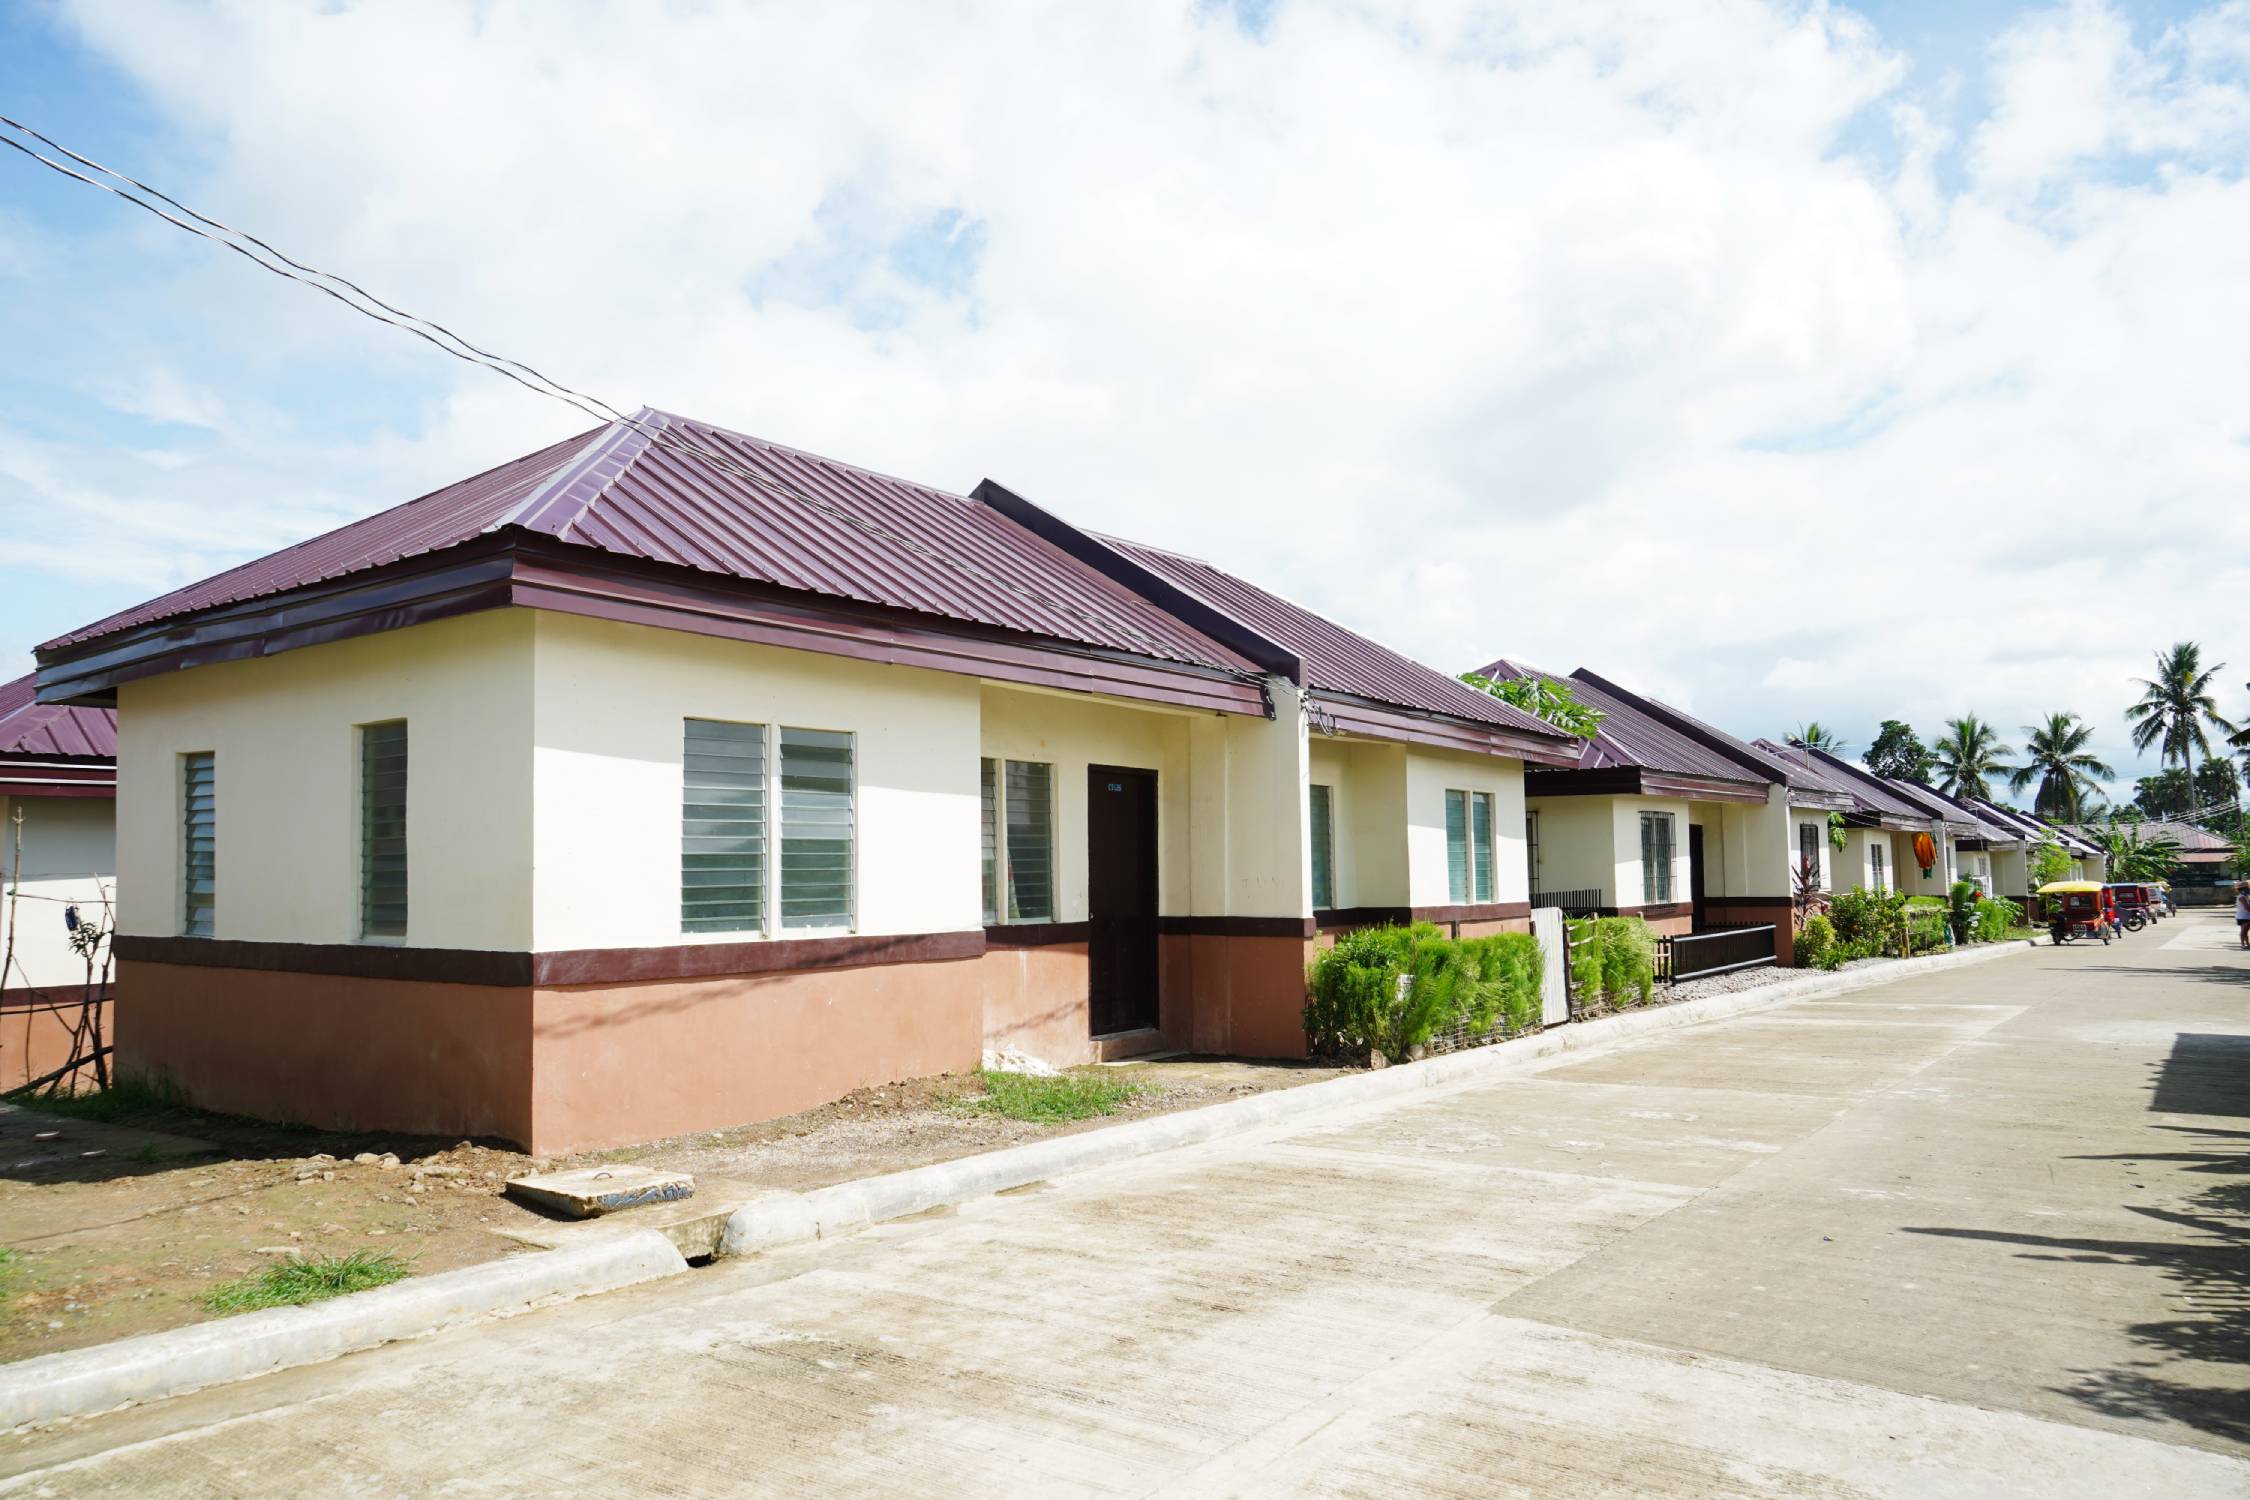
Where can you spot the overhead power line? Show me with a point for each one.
(341, 289)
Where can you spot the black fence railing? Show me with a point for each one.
(1698, 955)
(1574, 904)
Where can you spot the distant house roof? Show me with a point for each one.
(2035, 828)
(49, 750)
(2191, 839)
(1968, 820)
(1644, 748)
(1341, 664)
(662, 499)
(1874, 799)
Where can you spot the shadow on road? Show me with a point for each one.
(2209, 1272)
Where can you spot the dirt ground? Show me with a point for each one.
(121, 1228)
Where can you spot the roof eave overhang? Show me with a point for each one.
(57, 776)
(1640, 781)
(517, 568)
(1342, 713)
(1823, 801)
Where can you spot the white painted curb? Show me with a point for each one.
(82, 1381)
(784, 1218)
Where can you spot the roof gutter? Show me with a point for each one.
(1146, 582)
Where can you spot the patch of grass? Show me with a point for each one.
(123, 1099)
(10, 1264)
(300, 1281)
(1050, 1101)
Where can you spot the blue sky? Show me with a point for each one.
(1881, 287)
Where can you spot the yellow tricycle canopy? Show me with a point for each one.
(2068, 887)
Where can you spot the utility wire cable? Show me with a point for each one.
(440, 337)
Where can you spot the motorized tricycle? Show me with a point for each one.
(2077, 909)
(2135, 903)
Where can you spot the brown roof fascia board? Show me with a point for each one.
(1638, 781)
(1149, 584)
(1759, 769)
(1338, 713)
(516, 568)
(35, 776)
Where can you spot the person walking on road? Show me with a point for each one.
(2242, 913)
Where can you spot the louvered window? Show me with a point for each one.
(1480, 841)
(1457, 847)
(1808, 851)
(1877, 856)
(816, 828)
(723, 827)
(1031, 841)
(988, 836)
(382, 829)
(1323, 848)
(199, 865)
(1656, 858)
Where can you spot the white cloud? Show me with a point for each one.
(1566, 331)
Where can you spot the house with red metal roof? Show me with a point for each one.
(1665, 817)
(58, 852)
(667, 779)
(1890, 826)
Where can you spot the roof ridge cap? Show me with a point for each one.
(578, 482)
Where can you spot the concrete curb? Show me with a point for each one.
(784, 1218)
(80, 1382)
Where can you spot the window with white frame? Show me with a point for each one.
(732, 778)
(382, 830)
(1877, 858)
(1531, 847)
(1656, 858)
(1808, 851)
(199, 844)
(1468, 846)
(1019, 840)
(1323, 821)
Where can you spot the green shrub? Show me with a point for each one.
(1390, 989)
(1961, 914)
(1995, 918)
(1869, 920)
(1926, 931)
(1815, 941)
(1613, 959)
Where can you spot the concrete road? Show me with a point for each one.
(1979, 1233)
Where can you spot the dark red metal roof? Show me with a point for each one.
(1336, 660)
(31, 728)
(1633, 732)
(629, 489)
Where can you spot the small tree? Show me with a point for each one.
(1543, 698)
(2049, 861)
(1898, 752)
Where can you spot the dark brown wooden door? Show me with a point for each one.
(1695, 874)
(1121, 898)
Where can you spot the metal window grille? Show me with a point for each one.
(988, 835)
(1480, 842)
(1031, 841)
(1656, 858)
(816, 828)
(1457, 847)
(382, 830)
(723, 827)
(1323, 848)
(199, 864)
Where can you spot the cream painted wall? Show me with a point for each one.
(283, 732)
(1369, 784)
(1429, 775)
(1071, 733)
(1625, 814)
(607, 729)
(1577, 845)
(69, 855)
(1911, 879)
(1251, 852)
(2011, 873)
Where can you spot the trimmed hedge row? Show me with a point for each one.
(1391, 989)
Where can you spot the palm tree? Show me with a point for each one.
(1817, 736)
(1967, 756)
(2055, 755)
(2177, 705)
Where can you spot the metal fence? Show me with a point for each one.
(1698, 955)
(1574, 904)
